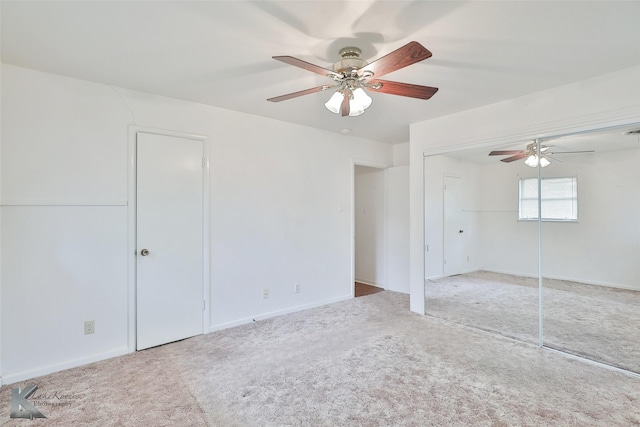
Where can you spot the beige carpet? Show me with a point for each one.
(363, 362)
(596, 322)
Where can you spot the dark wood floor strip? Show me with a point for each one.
(362, 289)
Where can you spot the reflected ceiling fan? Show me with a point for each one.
(531, 155)
(352, 75)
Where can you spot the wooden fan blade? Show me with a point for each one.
(404, 89)
(300, 93)
(514, 158)
(408, 54)
(505, 152)
(304, 65)
(345, 109)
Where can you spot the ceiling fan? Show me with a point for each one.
(352, 74)
(531, 155)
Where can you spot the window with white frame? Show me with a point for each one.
(559, 199)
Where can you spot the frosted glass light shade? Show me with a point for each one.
(335, 102)
(360, 102)
(532, 161)
(361, 97)
(355, 109)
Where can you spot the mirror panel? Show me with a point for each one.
(591, 265)
(484, 248)
(480, 262)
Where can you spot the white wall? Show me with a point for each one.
(397, 228)
(603, 101)
(281, 198)
(401, 154)
(370, 226)
(602, 248)
(64, 241)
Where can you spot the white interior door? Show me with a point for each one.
(169, 223)
(454, 227)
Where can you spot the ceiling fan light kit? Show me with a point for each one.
(352, 75)
(533, 161)
(358, 101)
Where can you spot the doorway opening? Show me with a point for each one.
(369, 230)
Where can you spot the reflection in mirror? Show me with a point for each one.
(591, 247)
(481, 263)
(483, 240)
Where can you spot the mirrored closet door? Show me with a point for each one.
(540, 244)
(590, 203)
(480, 263)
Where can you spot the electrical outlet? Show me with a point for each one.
(89, 327)
(296, 288)
(265, 293)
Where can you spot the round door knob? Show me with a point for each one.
(144, 252)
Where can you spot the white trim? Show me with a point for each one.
(562, 278)
(369, 164)
(131, 238)
(385, 221)
(591, 362)
(276, 313)
(167, 132)
(352, 208)
(26, 202)
(131, 241)
(206, 236)
(74, 363)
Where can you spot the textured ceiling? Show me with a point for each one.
(219, 52)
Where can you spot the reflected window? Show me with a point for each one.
(559, 199)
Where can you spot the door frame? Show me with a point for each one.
(132, 230)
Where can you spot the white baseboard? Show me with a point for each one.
(403, 290)
(45, 370)
(370, 283)
(511, 273)
(263, 316)
(440, 276)
(566, 279)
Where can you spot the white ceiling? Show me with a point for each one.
(219, 52)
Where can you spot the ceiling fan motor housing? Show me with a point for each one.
(350, 61)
